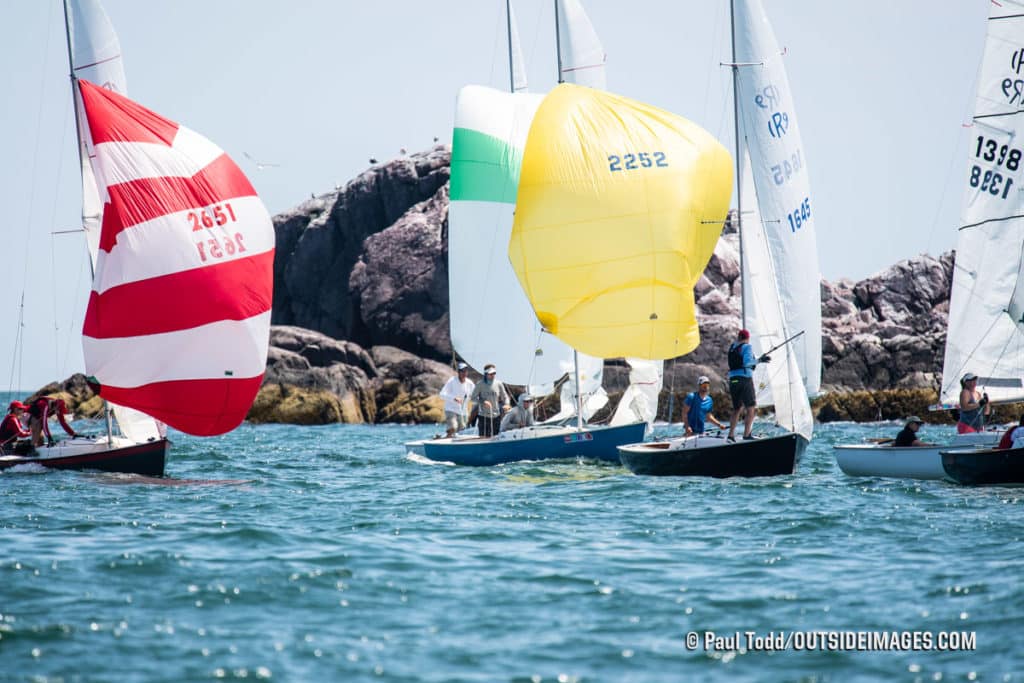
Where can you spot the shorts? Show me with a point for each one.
(741, 389)
(453, 420)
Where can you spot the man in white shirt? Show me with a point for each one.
(455, 393)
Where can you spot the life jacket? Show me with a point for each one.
(736, 357)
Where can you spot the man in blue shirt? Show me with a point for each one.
(697, 407)
(741, 383)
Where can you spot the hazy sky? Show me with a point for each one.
(881, 87)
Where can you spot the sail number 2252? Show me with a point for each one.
(628, 162)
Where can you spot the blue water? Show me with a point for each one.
(339, 559)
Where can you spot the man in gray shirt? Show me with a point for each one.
(491, 400)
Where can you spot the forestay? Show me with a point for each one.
(778, 167)
(607, 274)
(581, 56)
(178, 319)
(490, 316)
(517, 65)
(986, 335)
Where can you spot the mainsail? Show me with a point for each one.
(179, 315)
(986, 332)
(768, 125)
(581, 56)
(516, 63)
(619, 207)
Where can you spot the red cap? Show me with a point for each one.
(16, 405)
(744, 334)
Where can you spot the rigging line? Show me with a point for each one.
(711, 60)
(494, 47)
(967, 356)
(35, 156)
(53, 262)
(17, 345)
(71, 320)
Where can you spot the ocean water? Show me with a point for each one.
(325, 554)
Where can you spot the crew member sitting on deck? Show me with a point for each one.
(974, 406)
(11, 428)
(520, 416)
(697, 407)
(1014, 436)
(38, 419)
(908, 435)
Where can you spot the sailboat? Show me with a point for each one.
(986, 315)
(491, 318)
(778, 259)
(177, 326)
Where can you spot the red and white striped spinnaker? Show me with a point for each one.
(178, 320)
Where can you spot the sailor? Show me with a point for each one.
(520, 416)
(1014, 436)
(11, 428)
(741, 383)
(38, 419)
(456, 393)
(908, 435)
(697, 408)
(490, 399)
(974, 406)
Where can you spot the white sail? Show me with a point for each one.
(779, 381)
(639, 402)
(96, 57)
(517, 64)
(986, 335)
(779, 171)
(593, 395)
(491, 319)
(581, 56)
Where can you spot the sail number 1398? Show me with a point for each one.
(991, 180)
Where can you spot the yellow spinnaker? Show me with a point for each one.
(619, 207)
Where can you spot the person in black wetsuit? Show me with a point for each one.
(908, 435)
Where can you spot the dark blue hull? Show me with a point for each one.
(768, 457)
(978, 468)
(593, 443)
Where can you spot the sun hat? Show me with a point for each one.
(16, 405)
(524, 398)
(744, 334)
(915, 418)
(462, 366)
(968, 377)
(489, 369)
(703, 379)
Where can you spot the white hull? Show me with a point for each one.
(923, 462)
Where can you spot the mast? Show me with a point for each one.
(739, 169)
(511, 65)
(558, 45)
(78, 136)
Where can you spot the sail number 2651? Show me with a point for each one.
(628, 162)
(217, 245)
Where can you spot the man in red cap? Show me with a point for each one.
(39, 414)
(11, 428)
(741, 383)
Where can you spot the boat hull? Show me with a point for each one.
(594, 443)
(922, 462)
(702, 457)
(127, 457)
(983, 467)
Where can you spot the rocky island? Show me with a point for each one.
(360, 315)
